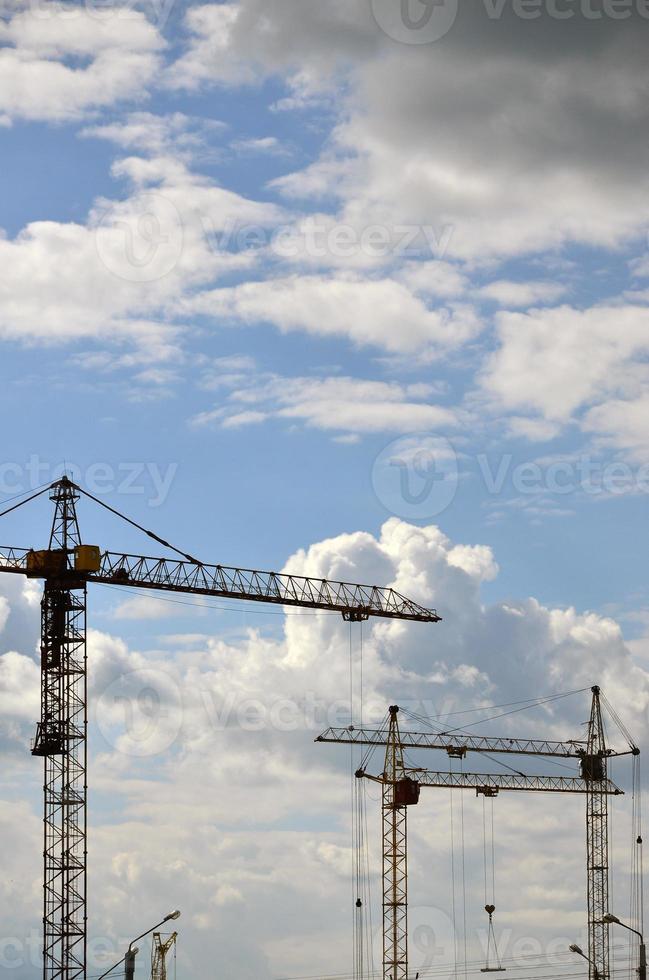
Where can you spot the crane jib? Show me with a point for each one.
(86, 563)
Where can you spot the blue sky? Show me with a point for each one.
(207, 315)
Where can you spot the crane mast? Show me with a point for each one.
(67, 566)
(159, 951)
(395, 856)
(61, 741)
(401, 785)
(594, 771)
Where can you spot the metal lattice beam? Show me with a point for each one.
(457, 743)
(355, 602)
(401, 785)
(508, 781)
(61, 742)
(594, 769)
(66, 568)
(395, 861)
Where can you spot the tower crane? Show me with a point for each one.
(401, 786)
(67, 566)
(159, 951)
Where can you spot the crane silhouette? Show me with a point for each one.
(67, 566)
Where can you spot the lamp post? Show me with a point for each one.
(129, 957)
(574, 948)
(609, 918)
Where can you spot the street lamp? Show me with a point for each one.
(574, 948)
(129, 957)
(611, 919)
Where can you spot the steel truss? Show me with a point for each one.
(395, 861)
(61, 742)
(66, 567)
(401, 785)
(594, 770)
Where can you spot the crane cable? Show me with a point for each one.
(464, 930)
(461, 729)
(150, 534)
(462, 869)
(636, 910)
(489, 856)
(363, 952)
(356, 899)
(22, 503)
(453, 895)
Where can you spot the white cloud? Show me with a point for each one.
(545, 173)
(381, 312)
(556, 362)
(156, 135)
(534, 429)
(622, 422)
(435, 278)
(236, 43)
(144, 607)
(520, 294)
(640, 267)
(209, 56)
(265, 145)
(63, 61)
(347, 404)
(236, 796)
(114, 277)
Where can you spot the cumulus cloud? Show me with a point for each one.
(333, 404)
(522, 294)
(382, 313)
(557, 362)
(64, 61)
(203, 757)
(156, 135)
(114, 277)
(546, 173)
